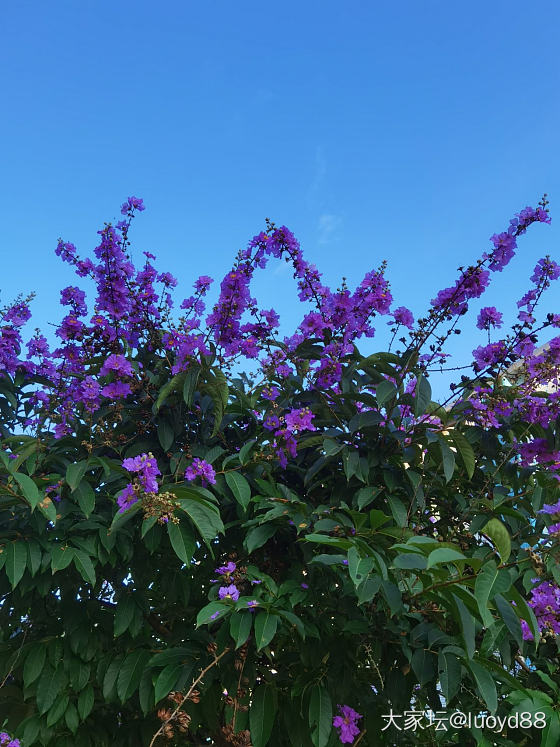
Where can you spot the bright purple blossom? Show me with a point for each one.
(133, 203)
(299, 420)
(545, 602)
(117, 363)
(347, 724)
(201, 468)
(229, 592)
(145, 466)
(127, 498)
(488, 317)
(404, 316)
(227, 569)
(116, 390)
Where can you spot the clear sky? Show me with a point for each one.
(402, 131)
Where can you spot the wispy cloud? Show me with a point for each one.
(315, 192)
(327, 226)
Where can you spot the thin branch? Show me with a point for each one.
(159, 732)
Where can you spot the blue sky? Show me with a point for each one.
(406, 132)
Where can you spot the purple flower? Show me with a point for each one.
(404, 316)
(545, 601)
(133, 203)
(551, 509)
(489, 355)
(545, 270)
(116, 390)
(127, 498)
(227, 569)
(117, 363)
(146, 467)
(252, 604)
(270, 393)
(488, 317)
(304, 586)
(346, 723)
(203, 283)
(229, 592)
(271, 422)
(300, 420)
(554, 528)
(201, 468)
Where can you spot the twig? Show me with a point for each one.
(159, 732)
(359, 739)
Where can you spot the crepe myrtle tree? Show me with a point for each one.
(312, 554)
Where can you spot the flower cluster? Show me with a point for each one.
(144, 466)
(201, 468)
(7, 741)
(545, 602)
(346, 723)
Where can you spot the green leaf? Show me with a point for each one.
(550, 735)
(182, 541)
(130, 674)
(385, 391)
(75, 473)
(444, 555)
(240, 624)
(240, 488)
(465, 450)
(489, 581)
(34, 556)
(83, 563)
(266, 624)
(448, 458)
(173, 385)
(28, 488)
(191, 382)
(86, 497)
(422, 395)
(365, 496)
(449, 667)
(110, 678)
(124, 614)
(510, 618)
(166, 681)
(485, 684)
(34, 664)
(166, 436)
(258, 536)
(58, 709)
(217, 389)
(467, 626)
(398, 509)
(212, 612)
(262, 714)
(72, 719)
(424, 665)
(320, 716)
(121, 517)
(500, 537)
(205, 517)
(525, 613)
(85, 702)
(48, 509)
(16, 561)
(50, 684)
(410, 561)
(245, 450)
(61, 557)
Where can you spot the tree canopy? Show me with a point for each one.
(313, 553)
